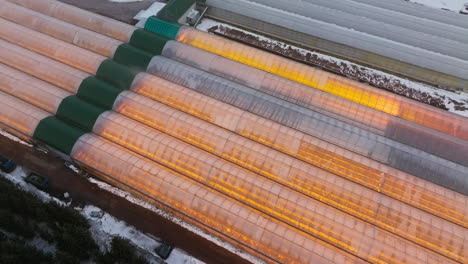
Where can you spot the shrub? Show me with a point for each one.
(13, 251)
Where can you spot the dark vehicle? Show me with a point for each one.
(164, 250)
(37, 180)
(7, 165)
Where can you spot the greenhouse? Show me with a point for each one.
(287, 162)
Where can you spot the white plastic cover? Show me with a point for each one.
(211, 210)
(224, 139)
(76, 16)
(59, 29)
(300, 121)
(267, 196)
(30, 89)
(18, 117)
(69, 54)
(403, 131)
(435, 61)
(43, 68)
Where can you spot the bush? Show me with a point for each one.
(76, 241)
(24, 215)
(122, 251)
(16, 224)
(64, 258)
(13, 251)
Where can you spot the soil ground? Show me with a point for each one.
(62, 179)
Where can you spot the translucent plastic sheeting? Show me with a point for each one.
(373, 27)
(263, 195)
(106, 26)
(418, 10)
(46, 69)
(363, 45)
(223, 141)
(434, 142)
(384, 15)
(328, 82)
(211, 210)
(58, 29)
(401, 186)
(397, 155)
(30, 89)
(67, 53)
(20, 117)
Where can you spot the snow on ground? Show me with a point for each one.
(105, 227)
(452, 5)
(45, 246)
(447, 96)
(178, 221)
(143, 15)
(14, 138)
(72, 167)
(18, 176)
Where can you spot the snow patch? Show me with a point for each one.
(14, 138)
(143, 15)
(452, 5)
(178, 221)
(73, 168)
(41, 244)
(18, 176)
(111, 227)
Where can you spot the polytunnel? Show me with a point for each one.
(355, 114)
(113, 127)
(48, 70)
(373, 27)
(78, 58)
(318, 79)
(30, 89)
(393, 17)
(80, 17)
(242, 185)
(234, 161)
(192, 200)
(413, 9)
(61, 30)
(398, 57)
(90, 96)
(212, 139)
(314, 124)
(18, 117)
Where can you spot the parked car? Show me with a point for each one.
(37, 180)
(7, 165)
(164, 250)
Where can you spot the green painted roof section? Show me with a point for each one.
(118, 75)
(98, 92)
(79, 113)
(58, 134)
(174, 10)
(134, 58)
(162, 27)
(148, 41)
